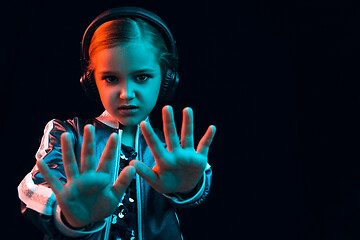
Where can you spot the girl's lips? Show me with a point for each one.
(128, 109)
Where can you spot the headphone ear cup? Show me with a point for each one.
(88, 84)
(168, 84)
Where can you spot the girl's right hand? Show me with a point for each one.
(88, 196)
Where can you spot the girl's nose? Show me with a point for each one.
(127, 91)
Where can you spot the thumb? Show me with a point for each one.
(123, 181)
(145, 172)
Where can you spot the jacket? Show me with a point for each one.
(156, 218)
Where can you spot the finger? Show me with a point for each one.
(145, 172)
(123, 181)
(171, 136)
(88, 149)
(206, 140)
(45, 171)
(69, 159)
(107, 157)
(187, 136)
(153, 141)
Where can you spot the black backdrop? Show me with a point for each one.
(279, 79)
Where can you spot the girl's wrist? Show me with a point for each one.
(64, 226)
(192, 192)
(66, 223)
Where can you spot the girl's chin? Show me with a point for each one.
(129, 121)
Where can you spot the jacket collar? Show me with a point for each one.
(110, 121)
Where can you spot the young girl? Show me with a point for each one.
(75, 190)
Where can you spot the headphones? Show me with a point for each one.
(170, 77)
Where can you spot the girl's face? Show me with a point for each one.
(128, 79)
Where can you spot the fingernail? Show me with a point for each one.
(90, 126)
(65, 135)
(214, 128)
(188, 109)
(145, 123)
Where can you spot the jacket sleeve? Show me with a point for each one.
(38, 202)
(197, 196)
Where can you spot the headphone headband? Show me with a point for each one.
(132, 12)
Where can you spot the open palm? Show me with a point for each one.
(88, 196)
(178, 169)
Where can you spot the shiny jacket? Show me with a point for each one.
(157, 218)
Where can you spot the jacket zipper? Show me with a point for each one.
(115, 173)
(138, 186)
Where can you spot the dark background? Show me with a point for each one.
(279, 79)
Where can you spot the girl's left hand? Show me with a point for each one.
(180, 168)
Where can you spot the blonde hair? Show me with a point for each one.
(124, 31)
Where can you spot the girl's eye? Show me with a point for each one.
(110, 79)
(142, 78)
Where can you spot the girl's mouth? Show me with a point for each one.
(128, 109)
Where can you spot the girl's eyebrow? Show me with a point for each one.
(139, 71)
(145, 70)
(106, 73)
